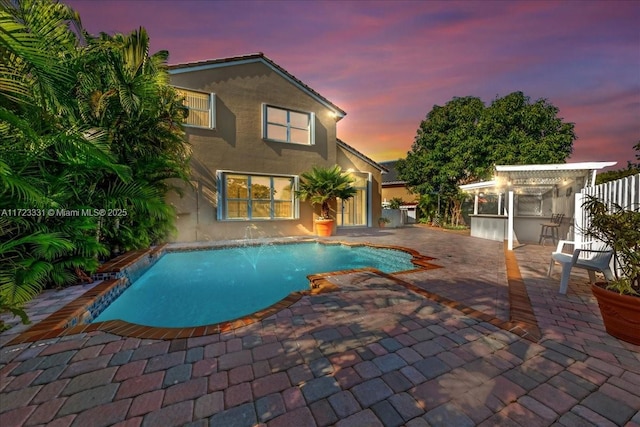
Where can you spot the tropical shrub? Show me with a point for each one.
(87, 125)
(395, 203)
(619, 228)
(322, 186)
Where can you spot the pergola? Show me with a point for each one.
(533, 180)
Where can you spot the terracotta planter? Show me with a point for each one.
(620, 313)
(324, 227)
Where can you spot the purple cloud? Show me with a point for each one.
(388, 63)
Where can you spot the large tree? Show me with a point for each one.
(460, 142)
(631, 169)
(516, 131)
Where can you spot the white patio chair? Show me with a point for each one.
(591, 256)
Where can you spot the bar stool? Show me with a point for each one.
(550, 229)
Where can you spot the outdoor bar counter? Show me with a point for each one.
(525, 228)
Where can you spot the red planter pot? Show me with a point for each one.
(324, 227)
(620, 313)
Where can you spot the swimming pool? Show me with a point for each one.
(203, 287)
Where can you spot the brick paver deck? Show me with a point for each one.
(372, 353)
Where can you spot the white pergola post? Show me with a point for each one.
(475, 204)
(580, 219)
(500, 204)
(510, 223)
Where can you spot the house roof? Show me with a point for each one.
(253, 58)
(391, 178)
(352, 150)
(538, 179)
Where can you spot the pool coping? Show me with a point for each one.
(112, 275)
(522, 320)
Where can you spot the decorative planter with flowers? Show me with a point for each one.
(619, 300)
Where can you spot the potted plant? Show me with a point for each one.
(619, 300)
(323, 186)
(382, 221)
(395, 203)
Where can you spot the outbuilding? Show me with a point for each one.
(525, 200)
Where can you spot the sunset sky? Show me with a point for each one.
(387, 63)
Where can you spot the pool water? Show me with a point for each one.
(211, 286)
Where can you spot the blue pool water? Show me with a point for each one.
(210, 286)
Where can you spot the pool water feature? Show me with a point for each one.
(203, 287)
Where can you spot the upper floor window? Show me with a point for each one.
(287, 125)
(201, 107)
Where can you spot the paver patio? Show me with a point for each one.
(371, 354)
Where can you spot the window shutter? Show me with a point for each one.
(212, 110)
(221, 196)
(312, 128)
(264, 121)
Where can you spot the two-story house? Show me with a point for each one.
(253, 129)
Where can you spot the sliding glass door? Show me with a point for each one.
(355, 211)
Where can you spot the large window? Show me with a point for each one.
(529, 205)
(287, 126)
(249, 197)
(201, 107)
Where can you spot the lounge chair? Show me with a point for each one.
(591, 256)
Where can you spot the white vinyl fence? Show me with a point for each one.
(624, 192)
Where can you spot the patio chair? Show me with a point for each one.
(550, 229)
(591, 256)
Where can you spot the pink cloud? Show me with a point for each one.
(388, 63)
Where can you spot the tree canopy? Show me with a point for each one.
(631, 169)
(460, 142)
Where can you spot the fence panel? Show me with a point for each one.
(624, 192)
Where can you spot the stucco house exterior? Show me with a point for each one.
(253, 129)
(393, 186)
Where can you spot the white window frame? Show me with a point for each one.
(211, 109)
(367, 187)
(222, 214)
(265, 123)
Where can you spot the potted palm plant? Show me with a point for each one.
(323, 186)
(619, 300)
(383, 221)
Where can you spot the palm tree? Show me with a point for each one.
(126, 92)
(322, 186)
(81, 127)
(37, 49)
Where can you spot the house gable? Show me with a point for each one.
(348, 148)
(256, 58)
(246, 90)
(264, 130)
